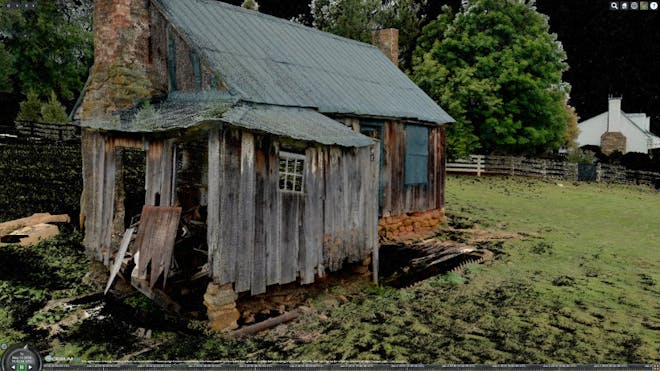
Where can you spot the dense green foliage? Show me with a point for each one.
(39, 177)
(356, 19)
(48, 48)
(53, 111)
(498, 71)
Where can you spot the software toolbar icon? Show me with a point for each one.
(643, 5)
(653, 5)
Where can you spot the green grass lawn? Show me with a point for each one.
(580, 285)
(581, 289)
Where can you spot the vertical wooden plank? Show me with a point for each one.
(213, 224)
(152, 173)
(261, 223)
(246, 198)
(434, 156)
(272, 214)
(99, 197)
(332, 249)
(230, 227)
(89, 203)
(442, 166)
(108, 202)
(372, 209)
(312, 220)
(290, 209)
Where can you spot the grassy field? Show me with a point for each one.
(577, 284)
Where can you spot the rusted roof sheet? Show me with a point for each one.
(297, 123)
(270, 60)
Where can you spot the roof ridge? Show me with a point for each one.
(277, 19)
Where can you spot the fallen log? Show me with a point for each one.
(264, 325)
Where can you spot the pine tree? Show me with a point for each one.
(53, 111)
(30, 108)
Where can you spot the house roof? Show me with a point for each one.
(183, 110)
(264, 59)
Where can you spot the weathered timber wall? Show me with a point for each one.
(40, 176)
(100, 158)
(260, 236)
(399, 198)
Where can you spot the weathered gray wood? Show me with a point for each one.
(261, 223)
(312, 221)
(108, 201)
(123, 247)
(155, 240)
(152, 182)
(230, 228)
(213, 218)
(372, 214)
(246, 214)
(272, 205)
(289, 242)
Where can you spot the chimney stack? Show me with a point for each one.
(121, 57)
(387, 40)
(614, 114)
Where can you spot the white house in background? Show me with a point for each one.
(616, 130)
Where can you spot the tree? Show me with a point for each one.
(498, 71)
(50, 47)
(53, 111)
(356, 19)
(250, 4)
(30, 108)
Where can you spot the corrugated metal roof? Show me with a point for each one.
(274, 61)
(298, 123)
(180, 110)
(183, 110)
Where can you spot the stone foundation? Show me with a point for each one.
(411, 226)
(220, 302)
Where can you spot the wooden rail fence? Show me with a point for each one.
(554, 169)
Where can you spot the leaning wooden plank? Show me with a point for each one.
(123, 247)
(167, 225)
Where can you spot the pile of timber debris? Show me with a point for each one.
(406, 263)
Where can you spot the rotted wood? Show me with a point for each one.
(418, 261)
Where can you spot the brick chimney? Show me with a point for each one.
(119, 75)
(613, 139)
(387, 40)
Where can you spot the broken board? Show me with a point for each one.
(119, 257)
(155, 241)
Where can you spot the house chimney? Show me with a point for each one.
(121, 57)
(387, 40)
(614, 114)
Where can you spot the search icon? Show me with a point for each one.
(614, 5)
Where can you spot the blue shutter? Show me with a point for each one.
(417, 155)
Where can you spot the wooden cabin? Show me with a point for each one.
(299, 146)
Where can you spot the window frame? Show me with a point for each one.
(284, 176)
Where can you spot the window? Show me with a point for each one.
(292, 167)
(417, 155)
